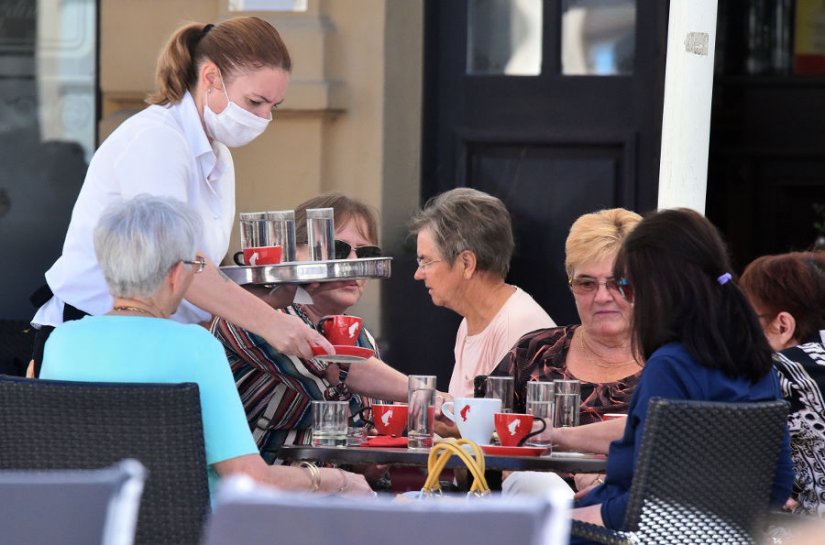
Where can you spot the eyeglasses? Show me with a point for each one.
(589, 286)
(626, 289)
(200, 261)
(343, 249)
(424, 264)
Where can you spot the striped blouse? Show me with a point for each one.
(277, 390)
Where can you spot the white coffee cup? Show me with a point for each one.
(474, 416)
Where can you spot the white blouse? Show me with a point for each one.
(163, 150)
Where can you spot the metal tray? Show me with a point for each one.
(305, 272)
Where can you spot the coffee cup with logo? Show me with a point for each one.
(514, 429)
(474, 417)
(340, 329)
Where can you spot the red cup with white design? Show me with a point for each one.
(340, 329)
(514, 429)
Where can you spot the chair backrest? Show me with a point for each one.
(71, 507)
(705, 470)
(69, 425)
(249, 513)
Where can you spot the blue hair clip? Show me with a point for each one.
(723, 279)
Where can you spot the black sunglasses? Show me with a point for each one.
(343, 249)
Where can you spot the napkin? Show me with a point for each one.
(302, 297)
(384, 441)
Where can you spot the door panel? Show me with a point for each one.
(550, 146)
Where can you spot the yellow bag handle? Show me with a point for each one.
(440, 453)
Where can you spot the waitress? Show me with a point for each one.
(217, 86)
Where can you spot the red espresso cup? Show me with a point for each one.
(340, 329)
(389, 419)
(514, 429)
(262, 255)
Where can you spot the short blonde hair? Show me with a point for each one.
(597, 235)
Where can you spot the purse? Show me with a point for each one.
(469, 452)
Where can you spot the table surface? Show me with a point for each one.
(558, 462)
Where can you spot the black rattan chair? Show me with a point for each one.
(703, 476)
(48, 424)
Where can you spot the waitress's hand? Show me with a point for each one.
(290, 335)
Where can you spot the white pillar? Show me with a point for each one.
(691, 42)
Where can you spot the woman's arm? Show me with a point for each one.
(214, 292)
(591, 514)
(294, 478)
(594, 437)
(376, 379)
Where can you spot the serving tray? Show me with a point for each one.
(305, 272)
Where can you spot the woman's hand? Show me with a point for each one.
(585, 482)
(338, 481)
(290, 335)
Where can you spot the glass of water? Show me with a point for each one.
(540, 403)
(321, 233)
(567, 396)
(329, 423)
(420, 411)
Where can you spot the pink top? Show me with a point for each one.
(479, 354)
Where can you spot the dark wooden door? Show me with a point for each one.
(551, 146)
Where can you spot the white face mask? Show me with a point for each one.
(234, 127)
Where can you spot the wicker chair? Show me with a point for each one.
(703, 476)
(81, 425)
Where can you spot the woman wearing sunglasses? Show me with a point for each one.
(277, 389)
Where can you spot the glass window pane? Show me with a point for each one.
(48, 124)
(504, 37)
(598, 37)
(267, 5)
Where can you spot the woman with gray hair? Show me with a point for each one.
(147, 252)
(464, 245)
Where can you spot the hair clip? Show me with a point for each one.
(723, 279)
(207, 28)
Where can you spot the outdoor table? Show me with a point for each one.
(557, 462)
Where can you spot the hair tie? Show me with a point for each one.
(207, 28)
(723, 279)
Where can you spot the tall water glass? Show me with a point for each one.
(321, 233)
(421, 411)
(567, 398)
(540, 403)
(501, 388)
(283, 232)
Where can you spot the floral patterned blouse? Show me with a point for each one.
(541, 355)
(802, 380)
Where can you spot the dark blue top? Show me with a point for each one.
(672, 373)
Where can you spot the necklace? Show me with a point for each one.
(598, 360)
(134, 309)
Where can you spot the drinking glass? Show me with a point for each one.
(540, 403)
(567, 398)
(282, 226)
(321, 233)
(501, 388)
(421, 410)
(329, 423)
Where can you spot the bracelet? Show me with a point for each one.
(599, 480)
(346, 481)
(314, 475)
